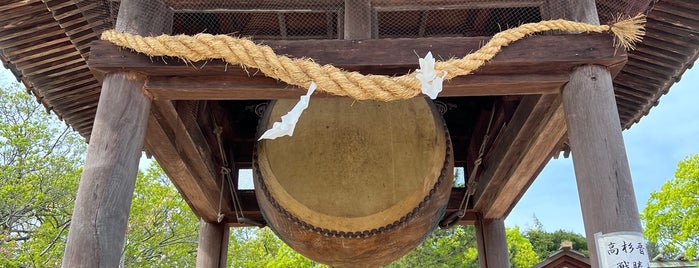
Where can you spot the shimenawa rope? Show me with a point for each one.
(330, 79)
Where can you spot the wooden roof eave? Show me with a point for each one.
(40, 38)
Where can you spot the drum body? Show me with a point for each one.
(359, 183)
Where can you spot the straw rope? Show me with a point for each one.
(333, 80)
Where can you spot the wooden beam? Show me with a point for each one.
(601, 167)
(525, 67)
(212, 248)
(527, 56)
(599, 157)
(407, 5)
(244, 88)
(185, 135)
(523, 169)
(164, 149)
(147, 19)
(102, 204)
(98, 224)
(357, 20)
(252, 210)
(512, 145)
(545, 140)
(492, 243)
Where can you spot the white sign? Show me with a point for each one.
(622, 250)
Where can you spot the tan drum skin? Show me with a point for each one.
(360, 183)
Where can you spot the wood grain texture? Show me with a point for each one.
(601, 168)
(28, 28)
(509, 149)
(227, 87)
(599, 157)
(527, 56)
(212, 248)
(492, 243)
(357, 24)
(544, 140)
(187, 137)
(161, 145)
(98, 224)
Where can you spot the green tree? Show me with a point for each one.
(162, 229)
(254, 247)
(40, 167)
(671, 216)
(520, 249)
(454, 247)
(40, 164)
(545, 243)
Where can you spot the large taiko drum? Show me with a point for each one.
(359, 183)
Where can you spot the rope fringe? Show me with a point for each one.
(330, 79)
(629, 32)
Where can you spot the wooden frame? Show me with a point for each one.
(525, 67)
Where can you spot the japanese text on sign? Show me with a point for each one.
(622, 250)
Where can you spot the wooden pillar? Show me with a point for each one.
(357, 19)
(599, 157)
(98, 224)
(602, 170)
(492, 243)
(212, 250)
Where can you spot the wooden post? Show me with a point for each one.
(601, 168)
(212, 250)
(98, 224)
(599, 157)
(357, 19)
(492, 243)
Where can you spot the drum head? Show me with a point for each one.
(353, 165)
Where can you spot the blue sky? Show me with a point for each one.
(654, 146)
(6, 77)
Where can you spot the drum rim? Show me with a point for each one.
(364, 233)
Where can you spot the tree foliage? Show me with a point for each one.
(546, 243)
(454, 247)
(40, 164)
(671, 216)
(162, 229)
(520, 250)
(254, 247)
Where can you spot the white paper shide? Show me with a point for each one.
(431, 83)
(288, 124)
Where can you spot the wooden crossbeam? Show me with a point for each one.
(161, 146)
(243, 88)
(181, 149)
(252, 211)
(519, 153)
(531, 66)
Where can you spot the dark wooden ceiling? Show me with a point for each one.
(46, 43)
